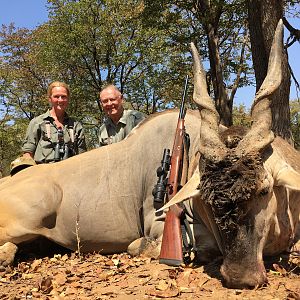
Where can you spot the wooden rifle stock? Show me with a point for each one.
(171, 247)
(171, 252)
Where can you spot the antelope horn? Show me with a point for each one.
(210, 144)
(260, 134)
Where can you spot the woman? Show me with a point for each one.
(54, 136)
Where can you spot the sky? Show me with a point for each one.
(24, 13)
(31, 13)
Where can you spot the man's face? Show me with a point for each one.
(112, 103)
(59, 99)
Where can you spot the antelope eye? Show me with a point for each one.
(264, 191)
(265, 186)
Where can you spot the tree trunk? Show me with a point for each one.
(209, 13)
(263, 18)
(221, 97)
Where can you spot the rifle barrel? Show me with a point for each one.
(181, 112)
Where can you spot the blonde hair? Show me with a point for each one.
(57, 84)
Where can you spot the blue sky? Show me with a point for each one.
(294, 60)
(31, 13)
(24, 13)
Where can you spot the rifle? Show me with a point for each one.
(171, 248)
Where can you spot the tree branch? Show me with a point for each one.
(294, 33)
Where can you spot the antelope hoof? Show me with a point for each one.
(7, 254)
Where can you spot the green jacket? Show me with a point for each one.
(42, 137)
(112, 133)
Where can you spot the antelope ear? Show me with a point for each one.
(289, 178)
(189, 190)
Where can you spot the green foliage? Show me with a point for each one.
(22, 76)
(141, 46)
(99, 42)
(241, 116)
(11, 136)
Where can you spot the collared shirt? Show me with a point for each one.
(41, 138)
(110, 132)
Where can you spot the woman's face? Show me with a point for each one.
(59, 99)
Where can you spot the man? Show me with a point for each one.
(54, 136)
(118, 121)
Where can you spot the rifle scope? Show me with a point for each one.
(160, 189)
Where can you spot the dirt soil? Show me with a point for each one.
(61, 274)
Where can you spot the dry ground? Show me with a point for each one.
(68, 275)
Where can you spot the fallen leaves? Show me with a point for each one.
(94, 276)
(45, 285)
(168, 292)
(279, 270)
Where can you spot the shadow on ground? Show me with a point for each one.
(39, 248)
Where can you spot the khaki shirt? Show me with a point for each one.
(112, 133)
(42, 137)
